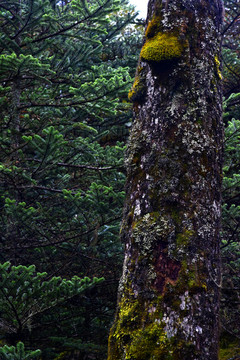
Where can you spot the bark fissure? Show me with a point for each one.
(169, 292)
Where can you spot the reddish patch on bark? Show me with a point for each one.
(167, 269)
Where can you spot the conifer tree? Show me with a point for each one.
(58, 92)
(230, 293)
(26, 294)
(18, 353)
(63, 102)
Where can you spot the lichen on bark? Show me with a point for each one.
(168, 299)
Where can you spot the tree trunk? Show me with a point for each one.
(168, 306)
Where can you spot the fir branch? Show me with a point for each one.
(82, 166)
(230, 24)
(70, 27)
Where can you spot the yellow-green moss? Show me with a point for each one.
(162, 47)
(184, 238)
(217, 67)
(141, 335)
(62, 355)
(138, 89)
(154, 26)
(128, 313)
(148, 343)
(190, 279)
(146, 339)
(230, 350)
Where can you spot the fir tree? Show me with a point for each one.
(63, 111)
(18, 353)
(231, 172)
(26, 294)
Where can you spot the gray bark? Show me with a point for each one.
(168, 306)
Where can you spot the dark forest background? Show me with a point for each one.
(65, 71)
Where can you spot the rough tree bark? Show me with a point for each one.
(169, 292)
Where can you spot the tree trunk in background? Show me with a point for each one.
(168, 306)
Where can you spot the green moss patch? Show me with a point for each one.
(154, 26)
(149, 343)
(231, 351)
(162, 47)
(138, 89)
(139, 332)
(217, 68)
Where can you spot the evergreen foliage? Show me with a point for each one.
(64, 101)
(26, 293)
(231, 225)
(18, 353)
(64, 120)
(231, 36)
(231, 180)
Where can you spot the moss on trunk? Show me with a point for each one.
(169, 292)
